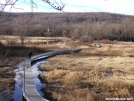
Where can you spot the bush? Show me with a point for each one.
(86, 38)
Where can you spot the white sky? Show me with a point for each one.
(113, 6)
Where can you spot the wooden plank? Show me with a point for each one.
(29, 88)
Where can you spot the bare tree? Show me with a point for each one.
(11, 4)
(20, 27)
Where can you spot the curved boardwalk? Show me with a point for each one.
(29, 90)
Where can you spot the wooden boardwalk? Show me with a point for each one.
(29, 89)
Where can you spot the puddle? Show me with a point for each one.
(109, 74)
(17, 96)
(59, 86)
(9, 64)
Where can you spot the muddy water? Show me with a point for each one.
(17, 96)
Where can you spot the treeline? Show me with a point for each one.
(84, 26)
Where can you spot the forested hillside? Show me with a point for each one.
(84, 26)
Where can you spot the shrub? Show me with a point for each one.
(86, 38)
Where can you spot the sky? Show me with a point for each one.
(111, 6)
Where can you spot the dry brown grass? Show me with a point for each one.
(88, 77)
(6, 78)
(36, 42)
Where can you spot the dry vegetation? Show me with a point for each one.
(83, 26)
(7, 82)
(17, 53)
(91, 75)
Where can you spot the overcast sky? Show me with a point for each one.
(113, 6)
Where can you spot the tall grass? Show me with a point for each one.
(77, 80)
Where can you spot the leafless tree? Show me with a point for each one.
(20, 27)
(11, 4)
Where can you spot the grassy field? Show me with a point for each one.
(90, 75)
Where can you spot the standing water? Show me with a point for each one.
(17, 96)
(36, 72)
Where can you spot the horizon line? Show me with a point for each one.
(73, 12)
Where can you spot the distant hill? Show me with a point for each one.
(77, 17)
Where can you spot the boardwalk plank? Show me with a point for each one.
(30, 91)
(29, 88)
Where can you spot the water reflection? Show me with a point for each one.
(17, 96)
(36, 72)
